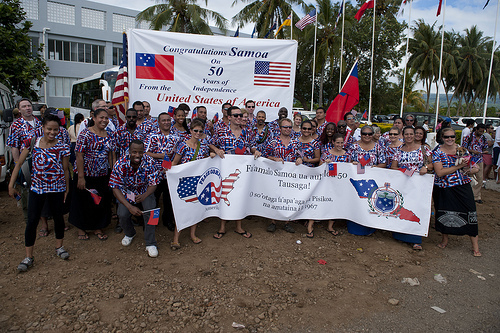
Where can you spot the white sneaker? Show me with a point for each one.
(127, 240)
(152, 251)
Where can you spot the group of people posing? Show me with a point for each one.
(126, 165)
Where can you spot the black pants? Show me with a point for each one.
(168, 212)
(55, 202)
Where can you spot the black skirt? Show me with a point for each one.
(455, 210)
(84, 213)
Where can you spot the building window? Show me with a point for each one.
(31, 9)
(60, 86)
(34, 44)
(122, 22)
(77, 52)
(60, 13)
(94, 19)
(117, 55)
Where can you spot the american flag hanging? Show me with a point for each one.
(120, 94)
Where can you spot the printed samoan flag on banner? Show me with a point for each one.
(154, 66)
(332, 169)
(364, 187)
(154, 217)
(272, 74)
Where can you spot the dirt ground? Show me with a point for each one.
(266, 283)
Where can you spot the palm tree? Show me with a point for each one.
(264, 13)
(182, 16)
(424, 48)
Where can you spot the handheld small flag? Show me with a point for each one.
(62, 117)
(166, 163)
(194, 114)
(332, 169)
(216, 117)
(360, 169)
(95, 195)
(153, 216)
(365, 159)
(171, 110)
(407, 171)
(130, 196)
(365, 115)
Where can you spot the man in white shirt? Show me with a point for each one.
(97, 104)
(469, 124)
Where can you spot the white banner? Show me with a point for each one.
(239, 186)
(167, 68)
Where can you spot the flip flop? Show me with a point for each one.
(196, 240)
(310, 234)
(43, 233)
(333, 232)
(84, 236)
(476, 253)
(175, 246)
(417, 247)
(101, 236)
(219, 235)
(442, 246)
(244, 234)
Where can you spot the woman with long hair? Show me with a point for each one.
(73, 135)
(180, 127)
(393, 147)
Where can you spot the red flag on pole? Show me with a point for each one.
(368, 4)
(347, 99)
(439, 7)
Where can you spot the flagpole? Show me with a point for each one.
(291, 25)
(406, 62)
(440, 66)
(371, 71)
(341, 46)
(491, 64)
(314, 55)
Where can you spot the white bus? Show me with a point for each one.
(86, 90)
(6, 119)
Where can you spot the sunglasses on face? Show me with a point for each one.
(369, 134)
(286, 126)
(198, 131)
(393, 134)
(448, 136)
(236, 115)
(306, 128)
(349, 118)
(251, 106)
(342, 126)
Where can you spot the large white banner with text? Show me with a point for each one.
(239, 186)
(167, 68)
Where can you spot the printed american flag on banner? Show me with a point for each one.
(272, 74)
(228, 185)
(120, 94)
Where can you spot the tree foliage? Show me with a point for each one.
(20, 67)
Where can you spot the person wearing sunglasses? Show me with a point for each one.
(351, 123)
(394, 146)
(453, 198)
(385, 140)
(235, 139)
(309, 149)
(191, 150)
(366, 146)
(283, 148)
(275, 124)
(342, 129)
(128, 132)
(250, 107)
(413, 156)
(476, 144)
(224, 121)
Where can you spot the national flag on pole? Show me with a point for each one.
(237, 33)
(270, 30)
(120, 93)
(154, 66)
(166, 163)
(401, 8)
(486, 4)
(194, 114)
(272, 74)
(171, 110)
(216, 118)
(253, 32)
(439, 7)
(153, 216)
(286, 23)
(332, 169)
(365, 159)
(339, 15)
(308, 19)
(95, 196)
(347, 99)
(368, 4)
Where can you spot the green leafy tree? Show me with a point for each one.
(182, 16)
(20, 68)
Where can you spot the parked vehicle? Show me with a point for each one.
(6, 119)
(479, 120)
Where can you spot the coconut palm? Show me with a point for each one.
(182, 16)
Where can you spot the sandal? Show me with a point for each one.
(442, 245)
(101, 236)
(310, 234)
(66, 228)
(175, 246)
(333, 232)
(476, 253)
(244, 234)
(84, 236)
(43, 233)
(417, 247)
(219, 235)
(196, 240)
